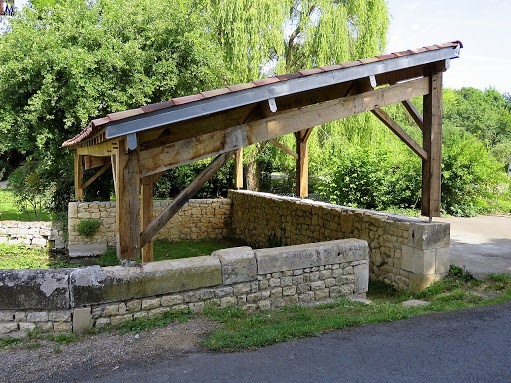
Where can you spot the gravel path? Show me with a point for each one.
(101, 354)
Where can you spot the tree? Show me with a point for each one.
(81, 60)
(266, 37)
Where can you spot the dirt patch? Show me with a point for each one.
(99, 354)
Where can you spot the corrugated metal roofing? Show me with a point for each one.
(97, 125)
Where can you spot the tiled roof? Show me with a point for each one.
(97, 125)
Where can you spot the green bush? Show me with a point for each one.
(372, 178)
(88, 227)
(471, 176)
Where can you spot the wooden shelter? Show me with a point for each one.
(140, 144)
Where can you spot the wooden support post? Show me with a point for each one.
(127, 175)
(78, 173)
(302, 163)
(147, 215)
(432, 143)
(238, 169)
(166, 214)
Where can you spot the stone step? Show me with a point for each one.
(87, 250)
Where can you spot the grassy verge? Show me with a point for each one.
(244, 331)
(24, 257)
(165, 250)
(10, 212)
(241, 330)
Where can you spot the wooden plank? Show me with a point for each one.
(432, 141)
(166, 157)
(284, 148)
(398, 131)
(302, 165)
(78, 176)
(92, 162)
(160, 159)
(97, 175)
(412, 110)
(166, 214)
(127, 204)
(238, 169)
(147, 216)
(113, 160)
(100, 150)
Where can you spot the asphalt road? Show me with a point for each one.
(481, 244)
(465, 346)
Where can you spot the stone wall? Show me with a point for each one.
(405, 252)
(37, 233)
(76, 299)
(198, 219)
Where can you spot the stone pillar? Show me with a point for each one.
(426, 254)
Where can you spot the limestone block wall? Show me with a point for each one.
(76, 299)
(198, 219)
(36, 233)
(405, 252)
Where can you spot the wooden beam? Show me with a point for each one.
(166, 214)
(169, 156)
(147, 216)
(99, 150)
(92, 162)
(78, 176)
(302, 164)
(398, 131)
(432, 142)
(97, 175)
(412, 110)
(238, 169)
(284, 148)
(128, 203)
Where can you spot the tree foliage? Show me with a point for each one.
(80, 60)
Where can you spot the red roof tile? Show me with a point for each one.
(215, 92)
(237, 87)
(308, 72)
(187, 99)
(157, 106)
(265, 81)
(96, 125)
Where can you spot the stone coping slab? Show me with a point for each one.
(310, 255)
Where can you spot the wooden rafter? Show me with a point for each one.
(172, 155)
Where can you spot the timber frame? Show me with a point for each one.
(141, 144)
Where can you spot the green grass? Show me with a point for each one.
(245, 331)
(10, 212)
(24, 257)
(165, 250)
(162, 320)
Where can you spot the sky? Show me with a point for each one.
(483, 26)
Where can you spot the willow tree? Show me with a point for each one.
(266, 37)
